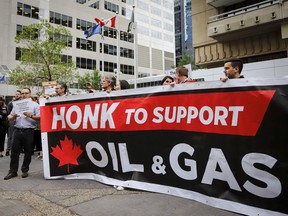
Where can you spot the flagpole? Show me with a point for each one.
(102, 56)
(135, 49)
(118, 50)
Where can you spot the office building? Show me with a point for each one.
(183, 29)
(253, 30)
(154, 35)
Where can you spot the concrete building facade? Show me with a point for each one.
(254, 30)
(154, 47)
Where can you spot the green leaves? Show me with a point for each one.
(94, 79)
(42, 45)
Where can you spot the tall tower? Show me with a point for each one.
(183, 29)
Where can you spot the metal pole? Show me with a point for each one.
(118, 50)
(102, 56)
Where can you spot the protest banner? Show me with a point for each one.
(49, 88)
(24, 105)
(222, 144)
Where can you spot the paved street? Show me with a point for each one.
(36, 196)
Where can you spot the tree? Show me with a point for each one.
(41, 46)
(94, 79)
(186, 59)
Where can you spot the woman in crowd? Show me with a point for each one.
(167, 80)
(123, 84)
(108, 83)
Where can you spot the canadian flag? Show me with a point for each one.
(109, 23)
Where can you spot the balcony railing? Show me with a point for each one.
(242, 10)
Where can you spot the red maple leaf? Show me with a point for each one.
(67, 153)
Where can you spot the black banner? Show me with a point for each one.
(226, 147)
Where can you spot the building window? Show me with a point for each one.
(156, 34)
(95, 5)
(19, 29)
(168, 5)
(111, 7)
(155, 11)
(81, 1)
(60, 19)
(143, 18)
(19, 9)
(156, 1)
(64, 38)
(66, 59)
(130, 2)
(85, 44)
(127, 69)
(33, 34)
(143, 30)
(167, 37)
(142, 5)
(109, 66)
(126, 53)
(85, 63)
(157, 23)
(110, 32)
(57, 18)
(35, 12)
(84, 25)
(109, 49)
(27, 10)
(168, 16)
(123, 11)
(18, 54)
(168, 27)
(125, 36)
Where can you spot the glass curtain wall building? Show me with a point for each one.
(183, 29)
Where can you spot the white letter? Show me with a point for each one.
(157, 113)
(210, 115)
(107, 115)
(181, 113)
(218, 117)
(126, 166)
(192, 113)
(273, 188)
(104, 158)
(235, 110)
(145, 116)
(113, 154)
(78, 117)
(217, 157)
(174, 156)
(59, 117)
(91, 117)
(173, 116)
(129, 112)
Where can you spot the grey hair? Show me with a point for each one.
(110, 79)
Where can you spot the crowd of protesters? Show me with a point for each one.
(23, 128)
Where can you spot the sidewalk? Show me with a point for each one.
(36, 196)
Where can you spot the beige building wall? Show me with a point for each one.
(255, 39)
